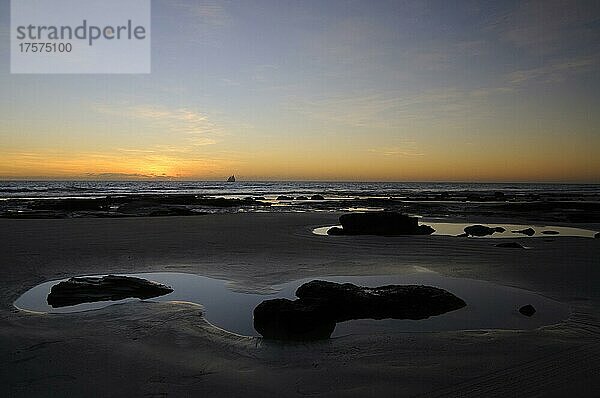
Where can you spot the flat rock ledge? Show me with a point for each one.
(320, 305)
(86, 289)
(384, 223)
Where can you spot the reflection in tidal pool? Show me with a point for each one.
(489, 306)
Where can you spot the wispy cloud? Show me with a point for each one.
(358, 111)
(229, 82)
(193, 126)
(264, 72)
(396, 108)
(127, 176)
(550, 26)
(206, 12)
(396, 151)
(555, 72)
(443, 54)
(200, 22)
(400, 147)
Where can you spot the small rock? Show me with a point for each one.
(335, 231)
(424, 229)
(597, 236)
(283, 197)
(527, 310)
(526, 231)
(317, 197)
(301, 198)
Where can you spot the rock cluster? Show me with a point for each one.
(320, 305)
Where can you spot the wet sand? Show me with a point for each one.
(166, 349)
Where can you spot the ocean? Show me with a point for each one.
(271, 189)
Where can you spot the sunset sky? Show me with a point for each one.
(325, 90)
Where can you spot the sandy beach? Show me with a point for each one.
(169, 349)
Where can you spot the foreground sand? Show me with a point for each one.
(163, 349)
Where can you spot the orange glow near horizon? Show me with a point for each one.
(358, 166)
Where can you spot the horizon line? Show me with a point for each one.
(159, 179)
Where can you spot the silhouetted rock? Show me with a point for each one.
(317, 197)
(482, 230)
(347, 301)
(526, 231)
(527, 310)
(597, 236)
(335, 231)
(231, 179)
(283, 197)
(283, 319)
(72, 204)
(108, 288)
(474, 198)
(512, 245)
(382, 223)
(172, 211)
(320, 305)
(424, 230)
(301, 198)
(228, 202)
(179, 205)
(550, 232)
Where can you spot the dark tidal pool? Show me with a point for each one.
(489, 306)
